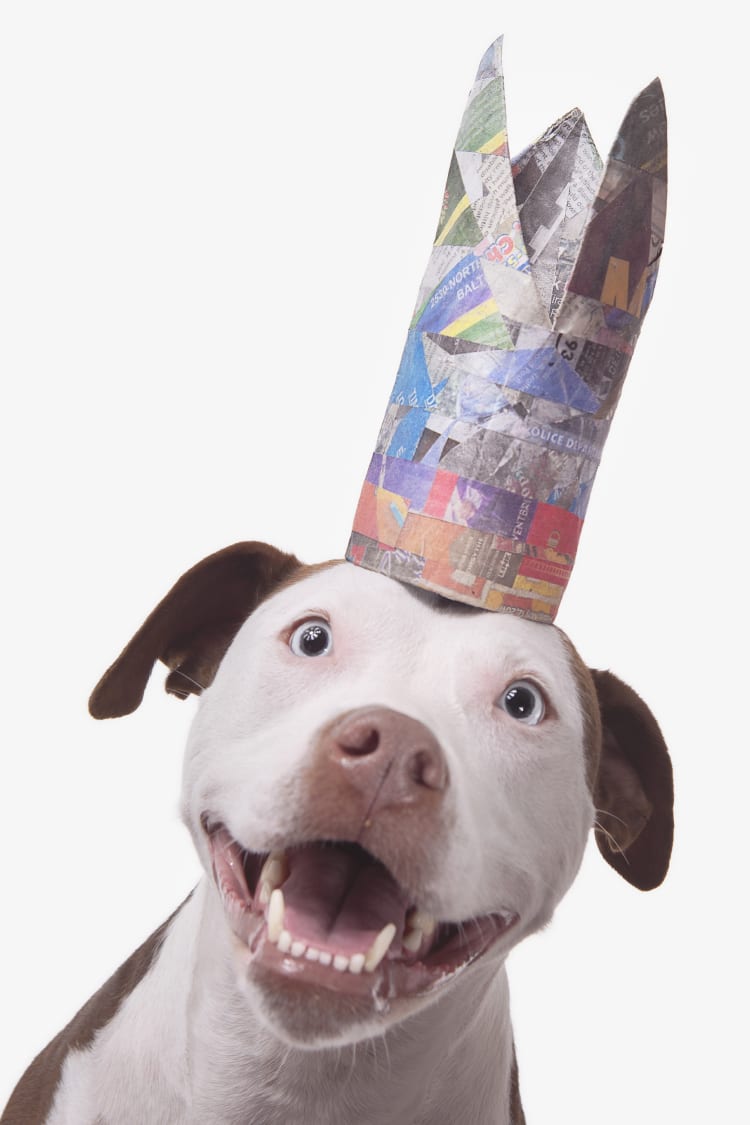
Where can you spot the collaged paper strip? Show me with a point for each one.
(540, 276)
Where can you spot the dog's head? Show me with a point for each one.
(387, 789)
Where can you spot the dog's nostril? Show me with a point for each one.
(360, 741)
(428, 769)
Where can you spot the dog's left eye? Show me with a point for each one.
(524, 701)
(312, 638)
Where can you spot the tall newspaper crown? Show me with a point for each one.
(540, 276)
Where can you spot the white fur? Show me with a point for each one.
(521, 812)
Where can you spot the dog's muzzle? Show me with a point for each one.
(339, 907)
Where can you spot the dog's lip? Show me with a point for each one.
(398, 962)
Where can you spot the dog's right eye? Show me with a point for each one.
(312, 638)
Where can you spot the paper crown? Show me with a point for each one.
(540, 276)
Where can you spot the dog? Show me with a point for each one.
(388, 791)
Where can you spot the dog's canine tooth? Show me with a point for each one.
(272, 875)
(284, 944)
(275, 915)
(379, 947)
(356, 963)
(275, 869)
(412, 939)
(418, 919)
(420, 926)
(341, 962)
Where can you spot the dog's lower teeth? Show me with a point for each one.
(354, 964)
(284, 944)
(357, 963)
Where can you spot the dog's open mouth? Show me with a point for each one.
(331, 914)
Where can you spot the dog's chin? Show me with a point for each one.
(312, 1016)
(329, 947)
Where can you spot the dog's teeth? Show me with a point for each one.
(298, 948)
(272, 875)
(275, 915)
(420, 926)
(341, 963)
(284, 944)
(325, 957)
(356, 963)
(275, 869)
(312, 954)
(379, 947)
(420, 920)
(412, 939)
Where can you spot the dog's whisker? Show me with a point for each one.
(374, 1047)
(352, 1063)
(611, 815)
(181, 672)
(611, 839)
(346, 1054)
(389, 1067)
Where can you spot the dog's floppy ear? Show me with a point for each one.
(633, 794)
(192, 627)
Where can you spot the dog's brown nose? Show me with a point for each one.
(388, 756)
(379, 778)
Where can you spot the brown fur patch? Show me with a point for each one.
(634, 793)
(592, 722)
(32, 1099)
(516, 1109)
(193, 625)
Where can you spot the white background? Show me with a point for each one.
(214, 218)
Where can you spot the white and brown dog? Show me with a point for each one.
(388, 792)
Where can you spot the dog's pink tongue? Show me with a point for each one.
(337, 898)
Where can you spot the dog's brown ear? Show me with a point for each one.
(634, 794)
(192, 627)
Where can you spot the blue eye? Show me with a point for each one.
(524, 701)
(312, 638)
